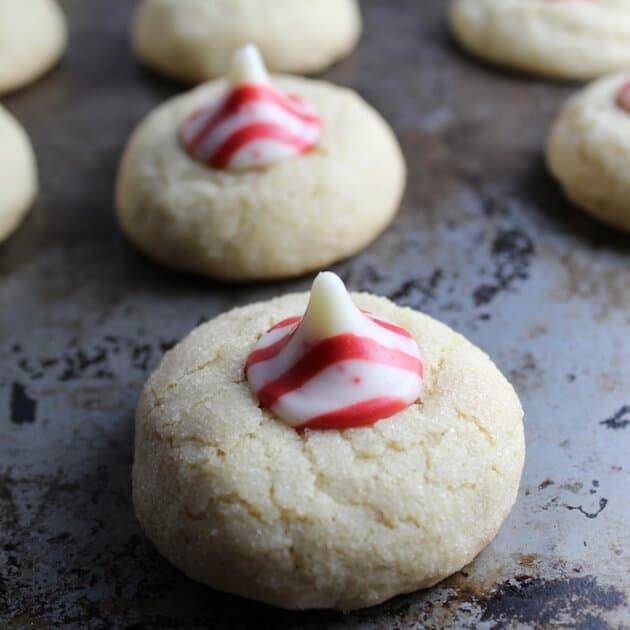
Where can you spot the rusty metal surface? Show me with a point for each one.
(485, 242)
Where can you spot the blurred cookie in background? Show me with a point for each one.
(33, 36)
(563, 39)
(18, 174)
(588, 150)
(259, 176)
(193, 40)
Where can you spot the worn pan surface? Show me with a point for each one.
(485, 242)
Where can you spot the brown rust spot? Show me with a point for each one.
(605, 286)
(537, 330)
(528, 560)
(572, 486)
(526, 373)
(536, 601)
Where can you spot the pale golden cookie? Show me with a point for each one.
(588, 151)
(565, 39)
(296, 216)
(33, 36)
(194, 40)
(323, 519)
(18, 174)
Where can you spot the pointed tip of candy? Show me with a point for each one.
(331, 310)
(248, 67)
(328, 281)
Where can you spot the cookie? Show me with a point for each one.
(18, 174)
(263, 506)
(259, 177)
(564, 39)
(32, 38)
(588, 150)
(193, 40)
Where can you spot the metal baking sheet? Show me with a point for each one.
(485, 242)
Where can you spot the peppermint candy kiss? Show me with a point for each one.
(254, 126)
(336, 367)
(623, 97)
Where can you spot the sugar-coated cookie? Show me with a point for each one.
(565, 39)
(588, 149)
(32, 38)
(18, 174)
(235, 486)
(193, 40)
(259, 177)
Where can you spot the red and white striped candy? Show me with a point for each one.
(623, 97)
(254, 126)
(337, 367)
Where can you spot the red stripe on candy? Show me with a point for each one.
(286, 322)
(391, 327)
(623, 97)
(267, 353)
(356, 415)
(293, 105)
(251, 133)
(330, 351)
(241, 97)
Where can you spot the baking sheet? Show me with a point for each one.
(484, 241)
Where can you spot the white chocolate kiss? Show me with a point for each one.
(254, 126)
(359, 364)
(247, 68)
